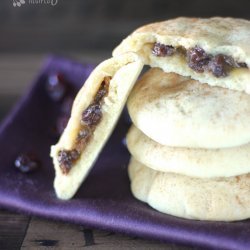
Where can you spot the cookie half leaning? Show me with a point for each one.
(95, 112)
(212, 50)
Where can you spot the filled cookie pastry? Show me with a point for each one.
(95, 112)
(212, 50)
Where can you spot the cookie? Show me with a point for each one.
(214, 199)
(95, 111)
(211, 50)
(194, 162)
(177, 111)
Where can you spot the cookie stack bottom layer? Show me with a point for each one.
(219, 199)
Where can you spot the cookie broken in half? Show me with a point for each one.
(211, 50)
(95, 112)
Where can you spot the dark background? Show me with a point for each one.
(95, 25)
(85, 30)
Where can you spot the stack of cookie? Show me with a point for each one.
(186, 141)
(191, 111)
(190, 142)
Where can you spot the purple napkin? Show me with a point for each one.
(104, 200)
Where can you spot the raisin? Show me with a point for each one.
(100, 94)
(163, 50)
(26, 163)
(66, 158)
(241, 65)
(103, 90)
(84, 134)
(231, 62)
(92, 115)
(218, 66)
(56, 87)
(197, 59)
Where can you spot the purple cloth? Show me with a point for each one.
(104, 200)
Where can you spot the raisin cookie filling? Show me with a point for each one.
(198, 60)
(91, 117)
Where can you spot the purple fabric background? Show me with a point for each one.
(104, 200)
